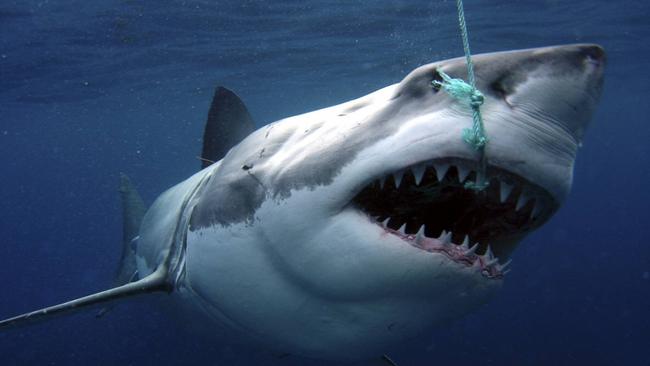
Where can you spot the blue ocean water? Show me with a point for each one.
(92, 89)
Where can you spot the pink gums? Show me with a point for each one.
(454, 252)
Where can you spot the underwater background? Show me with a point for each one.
(89, 89)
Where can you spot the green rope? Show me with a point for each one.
(461, 90)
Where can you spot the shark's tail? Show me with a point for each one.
(221, 133)
(133, 210)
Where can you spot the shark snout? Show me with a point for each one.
(583, 62)
(575, 53)
(593, 54)
(505, 74)
(540, 104)
(563, 82)
(557, 79)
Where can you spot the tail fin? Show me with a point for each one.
(133, 210)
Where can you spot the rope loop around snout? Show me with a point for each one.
(467, 92)
(463, 91)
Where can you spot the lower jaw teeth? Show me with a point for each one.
(487, 263)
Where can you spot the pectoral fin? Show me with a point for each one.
(386, 361)
(157, 281)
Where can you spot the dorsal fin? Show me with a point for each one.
(156, 281)
(228, 123)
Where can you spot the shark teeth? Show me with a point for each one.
(502, 267)
(445, 237)
(537, 209)
(419, 236)
(397, 177)
(465, 244)
(489, 258)
(385, 222)
(488, 253)
(430, 196)
(471, 250)
(382, 181)
(418, 173)
(504, 191)
(522, 200)
(441, 171)
(463, 172)
(487, 263)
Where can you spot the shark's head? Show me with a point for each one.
(341, 231)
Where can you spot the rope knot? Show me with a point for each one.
(459, 89)
(474, 139)
(476, 99)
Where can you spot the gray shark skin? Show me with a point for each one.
(341, 232)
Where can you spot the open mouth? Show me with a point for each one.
(428, 206)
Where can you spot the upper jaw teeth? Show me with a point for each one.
(418, 173)
(397, 178)
(522, 200)
(505, 191)
(463, 173)
(441, 171)
(517, 194)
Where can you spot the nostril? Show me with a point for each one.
(499, 89)
(593, 53)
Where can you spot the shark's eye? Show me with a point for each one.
(436, 82)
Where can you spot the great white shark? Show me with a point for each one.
(341, 232)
